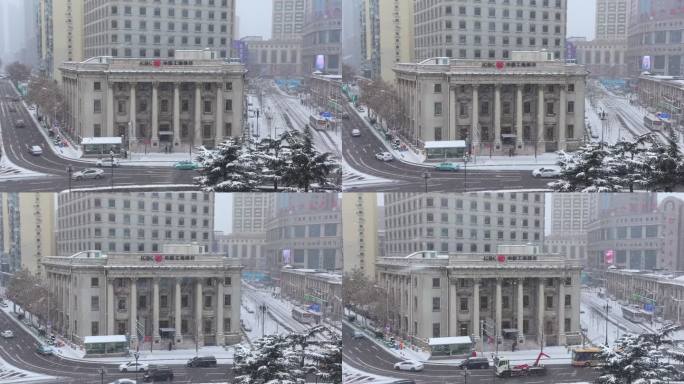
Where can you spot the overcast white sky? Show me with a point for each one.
(581, 18)
(255, 17)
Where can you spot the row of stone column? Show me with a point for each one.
(475, 123)
(175, 107)
(133, 311)
(453, 308)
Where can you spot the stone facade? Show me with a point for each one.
(275, 58)
(194, 293)
(308, 286)
(515, 291)
(156, 105)
(663, 94)
(524, 106)
(603, 58)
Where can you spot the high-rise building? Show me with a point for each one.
(473, 29)
(140, 28)
(387, 36)
(655, 38)
(612, 19)
(322, 37)
(568, 229)
(125, 222)
(469, 223)
(60, 23)
(360, 232)
(251, 211)
(305, 232)
(351, 33)
(27, 231)
(288, 19)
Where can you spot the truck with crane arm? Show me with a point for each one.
(505, 369)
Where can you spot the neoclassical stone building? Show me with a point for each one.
(517, 292)
(180, 294)
(526, 105)
(156, 104)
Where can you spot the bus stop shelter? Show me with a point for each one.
(101, 146)
(114, 345)
(445, 150)
(450, 346)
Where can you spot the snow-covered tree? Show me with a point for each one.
(272, 154)
(586, 171)
(306, 166)
(279, 359)
(626, 160)
(229, 168)
(639, 359)
(664, 165)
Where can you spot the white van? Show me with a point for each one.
(36, 150)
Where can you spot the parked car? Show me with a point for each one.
(45, 350)
(355, 133)
(447, 167)
(88, 173)
(19, 123)
(186, 165)
(108, 162)
(202, 361)
(384, 156)
(409, 365)
(474, 363)
(7, 334)
(35, 150)
(358, 335)
(132, 366)
(123, 381)
(546, 172)
(159, 373)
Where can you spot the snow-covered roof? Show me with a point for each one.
(445, 144)
(449, 340)
(101, 140)
(105, 339)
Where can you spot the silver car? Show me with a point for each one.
(88, 173)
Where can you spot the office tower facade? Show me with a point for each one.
(612, 19)
(251, 211)
(471, 223)
(305, 232)
(288, 19)
(387, 36)
(472, 29)
(157, 29)
(568, 230)
(28, 231)
(60, 38)
(322, 37)
(654, 41)
(132, 222)
(360, 232)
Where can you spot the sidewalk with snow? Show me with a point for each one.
(558, 355)
(159, 354)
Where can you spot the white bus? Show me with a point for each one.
(632, 314)
(318, 123)
(302, 315)
(653, 122)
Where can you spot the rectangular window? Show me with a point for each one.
(435, 304)
(226, 300)
(94, 303)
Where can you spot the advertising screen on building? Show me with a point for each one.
(320, 62)
(646, 63)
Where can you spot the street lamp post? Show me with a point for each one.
(69, 172)
(111, 155)
(678, 310)
(607, 309)
(263, 309)
(136, 354)
(426, 176)
(102, 373)
(466, 159)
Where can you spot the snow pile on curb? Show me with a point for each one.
(351, 375)
(11, 374)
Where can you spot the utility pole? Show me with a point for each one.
(263, 309)
(607, 309)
